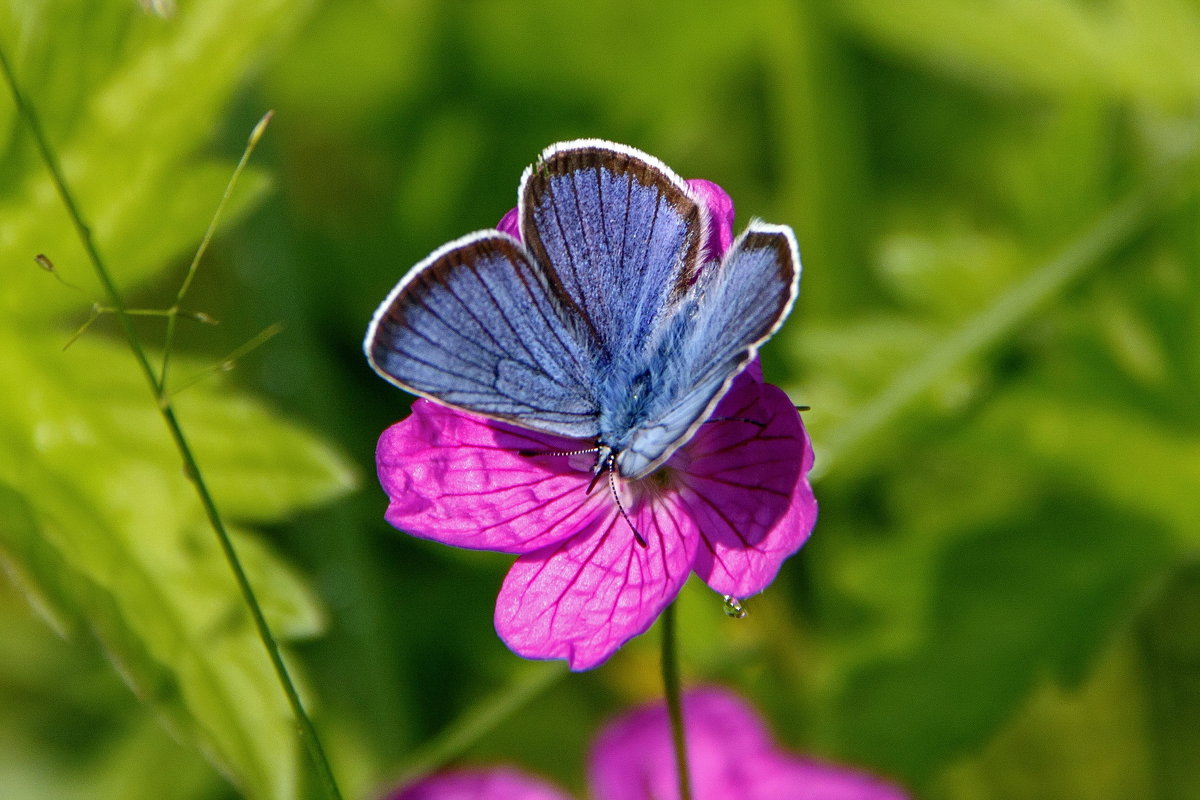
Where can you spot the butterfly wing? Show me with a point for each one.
(477, 326)
(734, 309)
(554, 334)
(744, 301)
(618, 233)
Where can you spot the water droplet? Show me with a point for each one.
(734, 608)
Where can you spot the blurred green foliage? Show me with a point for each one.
(998, 332)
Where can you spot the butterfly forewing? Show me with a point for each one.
(476, 326)
(618, 234)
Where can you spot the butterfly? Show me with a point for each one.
(604, 322)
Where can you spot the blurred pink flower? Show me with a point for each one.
(730, 754)
(731, 505)
(484, 784)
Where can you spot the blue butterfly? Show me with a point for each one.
(605, 324)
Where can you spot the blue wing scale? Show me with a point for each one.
(619, 234)
(475, 326)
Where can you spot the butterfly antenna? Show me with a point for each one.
(533, 453)
(747, 420)
(612, 485)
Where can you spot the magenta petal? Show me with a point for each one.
(583, 598)
(784, 777)
(633, 758)
(754, 370)
(718, 206)
(746, 487)
(472, 482)
(510, 223)
(492, 784)
(730, 755)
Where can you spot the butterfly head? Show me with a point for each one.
(606, 459)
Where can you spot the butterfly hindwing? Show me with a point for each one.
(733, 308)
(743, 301)
(476, 326)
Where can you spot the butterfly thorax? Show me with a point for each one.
(630, 400)
(628, 408)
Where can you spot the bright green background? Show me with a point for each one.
(998, 333)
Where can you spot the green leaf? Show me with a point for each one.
(121, 547)
(1031, 594)
(1001, 318)
(152, 586)
(1128, 730)
(1139, 462)
(100, 526)
(259, 466)
(1142, 51)
(1064, 743)
(129, 147)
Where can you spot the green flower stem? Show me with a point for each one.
(307, 732)
(672, 688)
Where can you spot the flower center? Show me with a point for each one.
(662, 479)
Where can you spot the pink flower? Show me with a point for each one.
(731, 505)
(490, 784)
(730, 756)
